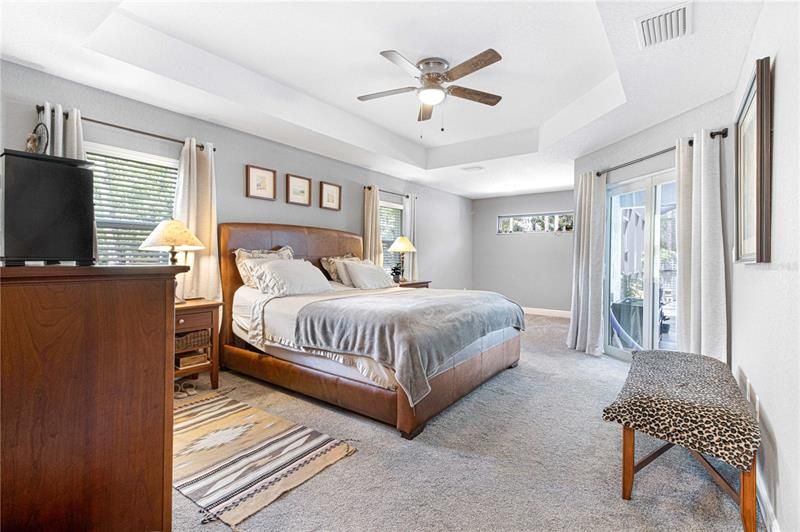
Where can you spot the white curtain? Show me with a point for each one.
(66, 134)
(46, 118)
(702, 302)
(57, 133)
(373, 247)
(586, 313)
(410, 232)
(73, 136)
(196, 206)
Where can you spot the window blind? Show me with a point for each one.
(391, 222)
(132, 194)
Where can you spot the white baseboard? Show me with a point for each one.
(767, 510)
(546, 312)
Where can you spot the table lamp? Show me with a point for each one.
(402, 245)
(172, 236)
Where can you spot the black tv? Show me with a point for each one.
(48, 209)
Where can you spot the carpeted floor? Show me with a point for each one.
(526, 451)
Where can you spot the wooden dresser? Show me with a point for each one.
(86, 358)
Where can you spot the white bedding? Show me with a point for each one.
(280, 316)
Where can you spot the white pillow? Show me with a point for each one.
(287, 277)
(241, 254)
(368, 276)
(341, 271)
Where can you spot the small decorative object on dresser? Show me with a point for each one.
(298, 190)
(754, 168)
(196, 339)
(261, 183)
(415, 284)
(330, 196)
(38, 140)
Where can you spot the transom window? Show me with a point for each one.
(553, 222)
(133, 192)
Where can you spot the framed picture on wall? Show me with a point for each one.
(754, 168)
(260, 182)
(298, 190)
(330, 196)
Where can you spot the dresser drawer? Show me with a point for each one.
(191, 321)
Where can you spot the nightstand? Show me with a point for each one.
(415, 284)
(197, 339)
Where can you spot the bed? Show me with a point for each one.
(351, 383)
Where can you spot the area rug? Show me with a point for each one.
(232, 460)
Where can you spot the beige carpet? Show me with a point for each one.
(528, 450)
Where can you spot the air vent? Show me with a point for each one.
(665, 25)
(473, 168)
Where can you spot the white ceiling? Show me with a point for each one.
(572, 76)
(330, 52)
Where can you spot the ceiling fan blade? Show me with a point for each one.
(382, 94)
(397, 58)
(471, 94)
(482, 60)
(425, 112)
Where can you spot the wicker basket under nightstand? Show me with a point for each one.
(196, 331)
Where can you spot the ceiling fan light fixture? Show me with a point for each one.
(431, 95)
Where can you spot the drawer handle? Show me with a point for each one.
(181, 321)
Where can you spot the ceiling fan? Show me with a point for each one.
(433, 73)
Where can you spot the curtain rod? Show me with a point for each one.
(389, 191)
(722, 132)
(201, 147)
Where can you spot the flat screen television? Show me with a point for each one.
(48, 209)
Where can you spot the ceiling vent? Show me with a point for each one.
(665, 25)
(473, 168)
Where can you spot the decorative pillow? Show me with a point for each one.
(368, 276)
(287, 277)
(285, 253)
(329, 263)
(344, 277)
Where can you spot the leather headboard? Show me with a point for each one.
(310, 243)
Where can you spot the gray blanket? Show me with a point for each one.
(412, 331)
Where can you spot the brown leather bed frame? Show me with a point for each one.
(392, 407)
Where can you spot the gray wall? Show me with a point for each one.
(533, 269)
(444, 220)
(766, 297)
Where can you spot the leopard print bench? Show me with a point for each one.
(692, 401)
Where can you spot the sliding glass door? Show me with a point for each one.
(640, 295)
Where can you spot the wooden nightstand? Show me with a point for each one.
(415, 284)
(199, 318)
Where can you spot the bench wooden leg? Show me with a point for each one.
(628, 449)
(747, 497)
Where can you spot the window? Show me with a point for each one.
(556, 222)
(391, 220)
(133, 192)
(640, 293)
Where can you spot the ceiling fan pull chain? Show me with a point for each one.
(442, 115)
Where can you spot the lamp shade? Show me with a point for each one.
(401, 245)
(171, 235)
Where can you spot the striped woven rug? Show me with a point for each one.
(232, 459)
